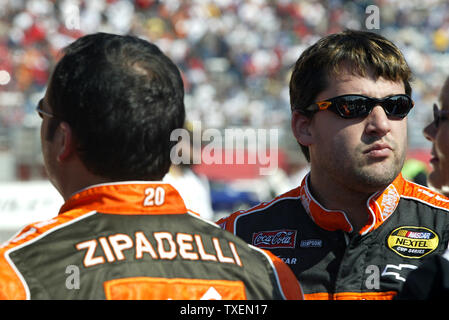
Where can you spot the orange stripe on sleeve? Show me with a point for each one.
(11, 287)
(388, 295)
(289, 284)
(228, 222)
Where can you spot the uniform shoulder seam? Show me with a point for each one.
(38, 230)
(199, 217)
(271, 265)
(290, 195)
(425, 195)
(230, 222)
(31, 231)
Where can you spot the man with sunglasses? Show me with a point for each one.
(354, 228)
(108, 114)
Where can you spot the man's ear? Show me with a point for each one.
(66, 141)
(301, 128)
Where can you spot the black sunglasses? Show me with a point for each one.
(439, 115)
(356, 106)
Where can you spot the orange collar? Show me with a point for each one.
(379, 206)
(128, 198)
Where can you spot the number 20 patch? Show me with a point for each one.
(154, 197)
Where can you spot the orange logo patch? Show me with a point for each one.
(146, 288)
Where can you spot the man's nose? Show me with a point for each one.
(378, 122)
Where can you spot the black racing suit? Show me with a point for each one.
(408, 222)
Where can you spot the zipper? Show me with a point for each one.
(349, 241)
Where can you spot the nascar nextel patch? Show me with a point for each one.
(412, 242)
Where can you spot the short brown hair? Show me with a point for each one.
(362, 51)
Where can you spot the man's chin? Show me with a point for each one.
(377, 178)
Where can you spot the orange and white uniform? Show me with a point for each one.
(137, 240)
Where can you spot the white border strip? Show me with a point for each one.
(203, 219)
(274, 270)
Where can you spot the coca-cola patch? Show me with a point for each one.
(275, 239)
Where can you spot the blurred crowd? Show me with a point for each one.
(235, 55)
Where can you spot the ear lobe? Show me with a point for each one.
(301, 128)
(67, 143)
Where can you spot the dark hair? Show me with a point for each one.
(359, 52)
(122, 97)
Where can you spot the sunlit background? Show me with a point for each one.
(236, 58)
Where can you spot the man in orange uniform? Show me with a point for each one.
(354, 227)
(108, 112)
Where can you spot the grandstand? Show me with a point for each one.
(235, 57)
